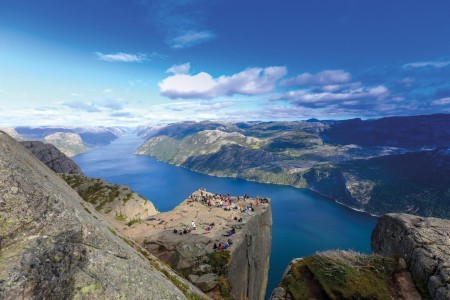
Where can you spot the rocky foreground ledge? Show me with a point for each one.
(425, 245)
(241, 225)
(411, 261)
(237, 272)
(52, 247)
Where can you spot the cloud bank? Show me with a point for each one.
(435, 64)
(121, 57)
(252, 81)
(326, 77)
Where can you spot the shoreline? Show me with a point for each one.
(270, 183)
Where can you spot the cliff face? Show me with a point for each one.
(52, 157)
(52, 248)
(249, 264)
(425, 245)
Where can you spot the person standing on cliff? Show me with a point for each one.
(193, 225)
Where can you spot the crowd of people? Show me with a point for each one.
(242, 204)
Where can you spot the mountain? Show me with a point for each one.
(53, 248)
(239, 272)
(414, 182)
(431, 131)
(70, 140)
(70, 144)
(357, 171)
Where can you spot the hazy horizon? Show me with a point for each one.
(110, 62)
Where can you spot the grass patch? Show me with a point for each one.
(127, 198)
(219, 262)
(134, 221)
(341, 275)
(121, 217)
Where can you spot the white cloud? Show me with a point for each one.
(252, 81)
(435, 64)
(326, 77)
(95, 105)
(179, 69)
(306, 97)
(121, 57)
(191, 38)
(442, 101)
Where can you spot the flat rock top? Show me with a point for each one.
(204, 209)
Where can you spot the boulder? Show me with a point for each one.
(207, 282)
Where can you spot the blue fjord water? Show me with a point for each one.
(303, 222)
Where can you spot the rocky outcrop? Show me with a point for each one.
(425, 245)
(52, 157)
(52, 248)
(346, 275)
(239, 272)
(70, 144)
(116, 202)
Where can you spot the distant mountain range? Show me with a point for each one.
(70, 140)
(395, 164)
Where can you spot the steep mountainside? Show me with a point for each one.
(52, 157)
(368, 174)
(52, 248)
(416, 182)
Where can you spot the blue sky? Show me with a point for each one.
(116, 62)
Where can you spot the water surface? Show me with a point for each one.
(303, 222)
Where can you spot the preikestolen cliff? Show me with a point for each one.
(200, 149)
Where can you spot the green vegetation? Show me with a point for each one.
(121, 217)
(98, 192)
(134, 221)
(341, 275)
(219, 261)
